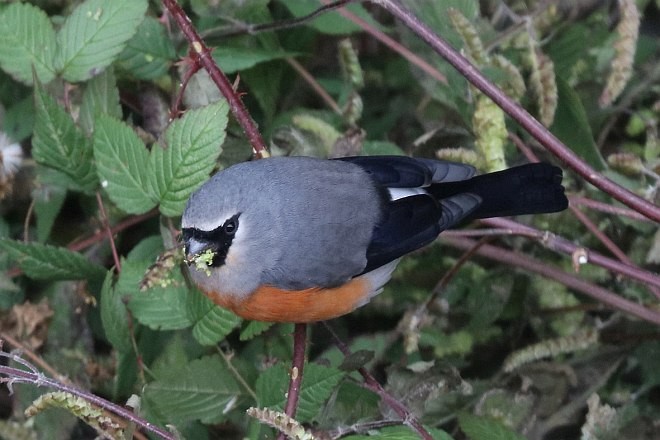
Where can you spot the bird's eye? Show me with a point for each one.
(230, 226)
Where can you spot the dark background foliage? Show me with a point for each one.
(546, 328)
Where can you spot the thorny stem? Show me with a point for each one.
(34, 377)
(202, 54)
(515, 111)
(372, 384)
(297, 366)
(528, 263)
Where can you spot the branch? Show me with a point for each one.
(297, 365)
(202, 55)
(372, 384)
(532, 265)
(560, 244)
(515, 111)
(34, 377)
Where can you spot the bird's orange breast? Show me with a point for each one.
(271, 304)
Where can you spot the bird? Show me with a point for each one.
(302, 239)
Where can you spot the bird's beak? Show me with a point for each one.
(194, 247)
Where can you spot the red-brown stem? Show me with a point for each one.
(202, 54)
(372, 384)
(108, 231)
(530, 264)
(309, 79)
(297, 366)
(16, 375)
(560, 244)
(99, 236)
(584, 219)
(515, 111)
(607, 208)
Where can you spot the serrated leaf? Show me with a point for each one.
(114, 316)
(149, 54)
(101, 97)
(317, 386)
(571, 126)
(58, 143)
(159, 308)
(27, 41)
(45, 262)
(94, 34)
(483, 428)
(211, 322)
(203, 390)
(122, 161)
(253, 329)
(192, 146)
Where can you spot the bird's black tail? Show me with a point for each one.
(527, 189)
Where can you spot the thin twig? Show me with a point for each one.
(619, 211)
(530, 264)
(585, 220)
(560, 244)
(395, 46)
(297, 366)
(34, 377)
(309, 79)
(372, 384)
(202, 54)
(252, 29)
(108, 231)
(515, 111)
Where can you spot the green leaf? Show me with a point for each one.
(571, 126)
(236, 59)
(400, 433)
(203, 390)
(192, 146)
(101, 97)
(330, 22)
(48, 201)
(150, 53)
(19, 119)
(114, 316)
(58, 143)
(483, 428)
(265, 82)
(211, 322)
(381, 148)
(94, 34)
(27, 41)
(254, 328)
(317, 386)
(159, 308)
(122, 160)
(44, 262)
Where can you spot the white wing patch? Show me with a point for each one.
(402, 193)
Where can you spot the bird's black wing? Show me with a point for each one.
(412, 222)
